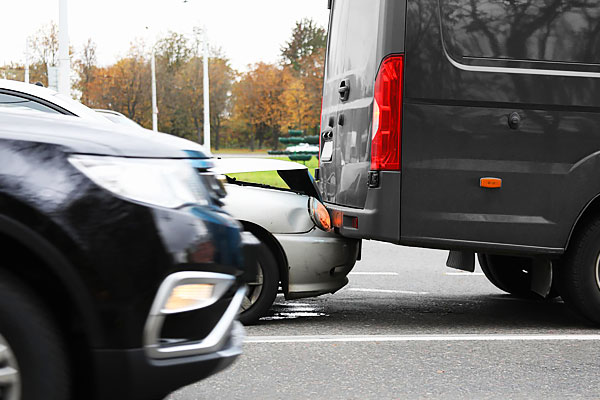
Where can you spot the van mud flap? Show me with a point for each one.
(541, 277)
(462, 260)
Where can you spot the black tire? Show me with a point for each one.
(511, 275)
(579, 274)
(35, 342)
(256, 305)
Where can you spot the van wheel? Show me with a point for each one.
(510, 274)
(33, 361)
(262, 292)
(579, 274)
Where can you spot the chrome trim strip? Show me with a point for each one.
(215, 340)
(519, 71)
(598, 271)
(504, 59)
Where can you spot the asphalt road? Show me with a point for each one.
(407, 327)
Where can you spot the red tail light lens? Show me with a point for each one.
(387, 115)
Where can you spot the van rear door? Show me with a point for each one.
(350, 70)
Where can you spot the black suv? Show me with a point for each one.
(120, 276)
(473, 126)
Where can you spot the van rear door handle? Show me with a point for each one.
(344, 89)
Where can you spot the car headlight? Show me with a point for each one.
(164, 183)
(319, 214)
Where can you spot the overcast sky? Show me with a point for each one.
(247, 31)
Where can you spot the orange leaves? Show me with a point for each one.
(123, 87)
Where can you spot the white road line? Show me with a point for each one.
(375, 273)
(464, 273)
(420, 338)
(385, 291)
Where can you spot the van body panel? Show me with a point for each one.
(456, 128)
(361, 33)
(547, 174)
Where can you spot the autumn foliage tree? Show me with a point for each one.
(43, 52)
(221, 82)
(297, 103)
(258, 102)
(86, 66)
(125, 86)
(121, 87)
(44, 46)
(252, 108)
(180, 73)
(304, 56)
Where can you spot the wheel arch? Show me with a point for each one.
(590, 211)
(49, 272)
(267, 237)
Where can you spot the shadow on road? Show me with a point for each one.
(423, 314)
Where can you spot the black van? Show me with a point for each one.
(473, 126)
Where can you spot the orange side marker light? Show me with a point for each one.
(337, 219)
(490, 183)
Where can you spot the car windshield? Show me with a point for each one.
(77, 108)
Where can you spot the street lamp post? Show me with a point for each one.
(154, 106)
(206, 95)
(26, 78)
(64, 63)
(153, 85)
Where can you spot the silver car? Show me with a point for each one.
(301, 255)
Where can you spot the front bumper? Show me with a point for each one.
(131, 374)
(181, 346)
(318, 262)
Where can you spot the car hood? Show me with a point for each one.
(296, 176)
(82, 136)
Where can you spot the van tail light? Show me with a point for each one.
(387, 115)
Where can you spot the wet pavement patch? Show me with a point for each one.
(294, 310)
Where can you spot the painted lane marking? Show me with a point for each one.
(420, 338)
(464, 274)
(384, 291)
(375, 273)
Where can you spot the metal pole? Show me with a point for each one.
(26, 80)
(154, 106)
(206, 95)
(64, 63)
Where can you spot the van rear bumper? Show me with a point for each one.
(379, 219)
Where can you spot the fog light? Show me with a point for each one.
(189, 297)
